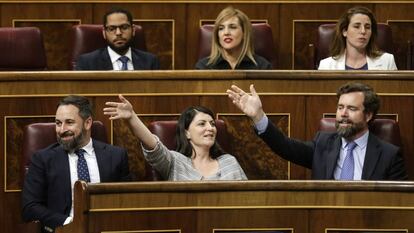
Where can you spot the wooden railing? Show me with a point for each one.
(282, 206)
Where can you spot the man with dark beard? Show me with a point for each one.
(351, 153)
(47, 194)
(118, 31)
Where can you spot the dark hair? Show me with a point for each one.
(184, 121)
(82, 103)
(117, 10)
(371, 99)
(339, 42)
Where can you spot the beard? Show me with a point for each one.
(121, 49)
(349, 131)
(74, 143)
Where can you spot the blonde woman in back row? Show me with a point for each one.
(232, 44)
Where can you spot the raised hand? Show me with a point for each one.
(119, 110)
(250, 104)
(124, 110)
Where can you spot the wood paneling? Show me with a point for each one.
(54, 21)
(164, 49)
(403, 31)
(171, 27)
(373, 221)
(56, 38)
(13, 149)
(288, 206)
(295, 101)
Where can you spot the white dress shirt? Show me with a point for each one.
(93, 169)
(261, 125)
(359, 156)
(117, 64)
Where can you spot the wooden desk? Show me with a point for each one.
(198, 82)
(205, 207)
(294, 100)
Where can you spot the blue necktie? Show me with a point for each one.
(124, 61)
(347, 172)
(83, 172)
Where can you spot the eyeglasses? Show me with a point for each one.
(122, 28)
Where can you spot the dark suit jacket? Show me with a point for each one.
(100, 60)
(46, 194)
(383, 161)
(246, 64)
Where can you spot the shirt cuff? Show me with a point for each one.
(262, 124)
(68, 220)
(155, 148)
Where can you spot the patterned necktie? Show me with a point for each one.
(124, 61)
(347, 172)
(83, 172)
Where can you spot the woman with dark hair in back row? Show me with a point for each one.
(354, 45)
(198, 155)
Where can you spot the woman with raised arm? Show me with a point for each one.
(354, 45)
(198, 155)
(232, 44)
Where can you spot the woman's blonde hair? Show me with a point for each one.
(338, 45)
(246, 26)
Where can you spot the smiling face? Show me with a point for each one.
(230, 34)
(72, 132)
(351, 120)
(118, 32)
(202, 131)
(358, 32)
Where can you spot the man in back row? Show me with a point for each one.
(118, 31)
(351, 153)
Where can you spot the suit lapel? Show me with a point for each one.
(62, 163)
(136, 60)
(372, 156)
(106, 63)
(103, 160)
(332, 156)
(340, 62)
(373, 63)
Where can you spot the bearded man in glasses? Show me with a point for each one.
(118, 31)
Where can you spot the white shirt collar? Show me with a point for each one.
(361, 141)
(115, 56)
(88, 148)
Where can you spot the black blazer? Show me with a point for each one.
(383, 161)
(100, 60)
(46, 194)
(245, 64)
